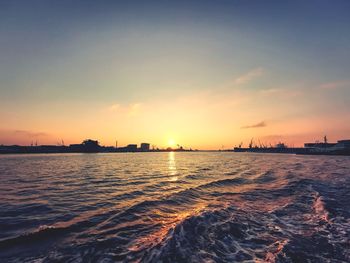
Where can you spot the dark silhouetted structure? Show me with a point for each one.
(88, 145)
(145, 147)
(342, 147)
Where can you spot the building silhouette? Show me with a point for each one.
(145, 147)
(86, 146)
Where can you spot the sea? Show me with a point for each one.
(174, 207)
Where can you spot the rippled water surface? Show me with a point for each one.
(174, 207)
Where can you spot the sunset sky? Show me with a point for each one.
(202, 74)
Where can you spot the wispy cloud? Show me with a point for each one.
(257, 72)
(134, 109)
(29, 133)
(335, 84)
(287, 92)
(131, 109)
(271, 91)
(256, 125)
(114, 107)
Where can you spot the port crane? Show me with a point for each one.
(251, 143)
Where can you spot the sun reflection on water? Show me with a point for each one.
(172, 167)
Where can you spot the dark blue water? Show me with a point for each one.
(174, 207)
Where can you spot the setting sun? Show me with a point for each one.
(171, 143)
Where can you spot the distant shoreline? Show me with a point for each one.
(342, 147)
(193, 151)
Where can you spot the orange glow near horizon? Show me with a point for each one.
(209, 121)
(200, 121)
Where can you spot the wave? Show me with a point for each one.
(225, 182)
(43, 233)
(237, 234)
(226, 235)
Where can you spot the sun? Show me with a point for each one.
(171, 143)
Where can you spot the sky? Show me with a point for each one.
(201, 74)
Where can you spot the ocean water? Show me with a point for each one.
(174, 207)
